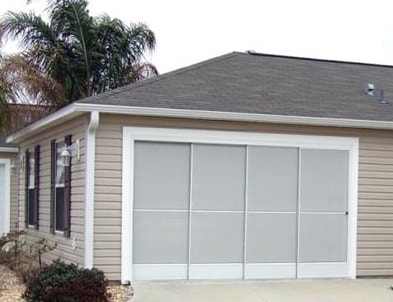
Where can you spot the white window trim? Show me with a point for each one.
(6, 217)
(132, 134)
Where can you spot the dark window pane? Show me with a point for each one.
(31, 207)
(59, 209)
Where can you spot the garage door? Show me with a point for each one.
(239, 211)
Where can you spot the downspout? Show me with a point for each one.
(89, 185)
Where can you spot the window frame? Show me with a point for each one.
(32, 187)
(56, 147)
(59, 146)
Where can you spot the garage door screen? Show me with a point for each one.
(220, 211)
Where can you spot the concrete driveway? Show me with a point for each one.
(361, 290)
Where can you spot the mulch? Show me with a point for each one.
(11, 288)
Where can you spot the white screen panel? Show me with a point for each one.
(218, 177)
(324, 180)
(160, 237)
(162, 175)
(323, 238)
(271, 238)
(217, 238)
(272, 179)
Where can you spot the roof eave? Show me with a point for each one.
(235, 116)
(76, 109)
(9, 149)
(57, 117)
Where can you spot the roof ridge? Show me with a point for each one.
(164, 76)
(255, 53)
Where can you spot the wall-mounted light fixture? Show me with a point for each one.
(68, 151)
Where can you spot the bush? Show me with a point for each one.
(20, 256)
(60, 282)
(11, 248)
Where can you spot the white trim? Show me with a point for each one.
(150, 272)
(161, 210)
(130, 134)
(299, 175)
(89, 185)
(239, 138)
(235, 116)
(6, 216)
(323, 270)
(127, 207)
(245, 212)
(9, 149)
(57, 117)
(75, 109)
(353, 171)
(190, 208)
(270, 271)
(216, 271)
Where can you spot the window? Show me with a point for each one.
(32, 187)
(60, 189)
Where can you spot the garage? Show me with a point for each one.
(228, 205)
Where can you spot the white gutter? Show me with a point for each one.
(9, 149)
(234, 116)
(78, 108)
(90, 147)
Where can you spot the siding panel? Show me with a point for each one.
(64, 250)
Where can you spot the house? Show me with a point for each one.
(8, 211)
(246, 166)
(22, 115)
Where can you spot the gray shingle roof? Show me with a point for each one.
(265, 84)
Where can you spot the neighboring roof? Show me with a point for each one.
(251, 87)
(265, 84)
(4, 147)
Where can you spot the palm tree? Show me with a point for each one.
(85, 55)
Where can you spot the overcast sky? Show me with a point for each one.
(188, 32)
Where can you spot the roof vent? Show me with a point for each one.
(381, 98)
(369, 89)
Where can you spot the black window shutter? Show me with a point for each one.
(67, 192)
(52, 184)
(27, 179)
(36, 184)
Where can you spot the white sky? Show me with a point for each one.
(192, 31)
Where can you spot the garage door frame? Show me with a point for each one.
(5, 216)
(132, 134)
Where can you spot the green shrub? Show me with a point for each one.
(60, 282)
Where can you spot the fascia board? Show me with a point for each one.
(234, 116)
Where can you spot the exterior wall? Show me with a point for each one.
(375, 212)
(14, 191)
(64, 250)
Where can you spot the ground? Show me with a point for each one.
(11, 288)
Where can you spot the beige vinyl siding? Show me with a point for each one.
(14, 190)
(77, 128)
(375, 224)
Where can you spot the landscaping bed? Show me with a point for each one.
(11, 288)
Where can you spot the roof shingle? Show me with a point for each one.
(265, 84)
